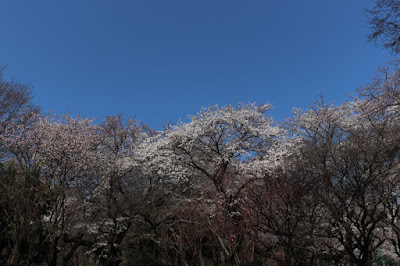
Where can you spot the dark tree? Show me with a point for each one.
(352, 151)
(24, 200)
(14, 97)
(384, 19)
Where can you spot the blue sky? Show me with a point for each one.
(159, 61)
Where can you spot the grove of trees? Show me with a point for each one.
(230, 187)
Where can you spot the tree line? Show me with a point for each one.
(230, 187)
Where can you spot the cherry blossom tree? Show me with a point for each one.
(118, 191)
(209, 162)
(381, 106)
(351, 155)
(65, 151)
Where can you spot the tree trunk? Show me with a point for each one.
(15, 254)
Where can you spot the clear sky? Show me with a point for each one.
(161, 60)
